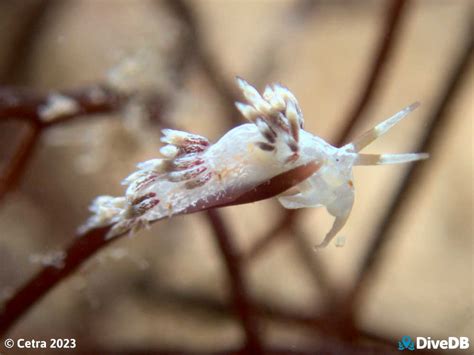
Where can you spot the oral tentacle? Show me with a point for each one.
(385, 159)
(371, 135)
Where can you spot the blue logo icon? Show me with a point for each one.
(406, 344)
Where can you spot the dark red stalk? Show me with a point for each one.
(22, 104)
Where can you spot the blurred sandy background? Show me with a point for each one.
(122, 297)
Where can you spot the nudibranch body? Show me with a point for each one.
(196, 173)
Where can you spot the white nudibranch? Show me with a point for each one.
(195, 174)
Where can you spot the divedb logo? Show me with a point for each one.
(432, 344)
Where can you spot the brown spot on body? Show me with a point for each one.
(268, 136)
(292, 158)
(293, 145)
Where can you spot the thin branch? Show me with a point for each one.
(314, 265)
(14, 170)
(292, 20)
(17, 103)
(226, 93)
(411, 181)
(21, 104)
(277, 231)
(34, 290)
(24, 40)
(241, 300)
(206, 61)
(394, 17)
(276, 313)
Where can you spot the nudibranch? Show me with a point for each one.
(194, 174)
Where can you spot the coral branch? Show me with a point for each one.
(19, 56)
(14, 170)
(206, 61)
(277, 231)
(49, 276)
(394, 18)
(43, 111)
(242, 304)
(22, 104)
(327, 327)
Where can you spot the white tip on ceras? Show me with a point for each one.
(169, 151)
(173, 136)
(268, 93)
(254, 97)
(249, 112)
(133, 176)
(284, 93)
(151, 165)
(248, 90)
(277, 101)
